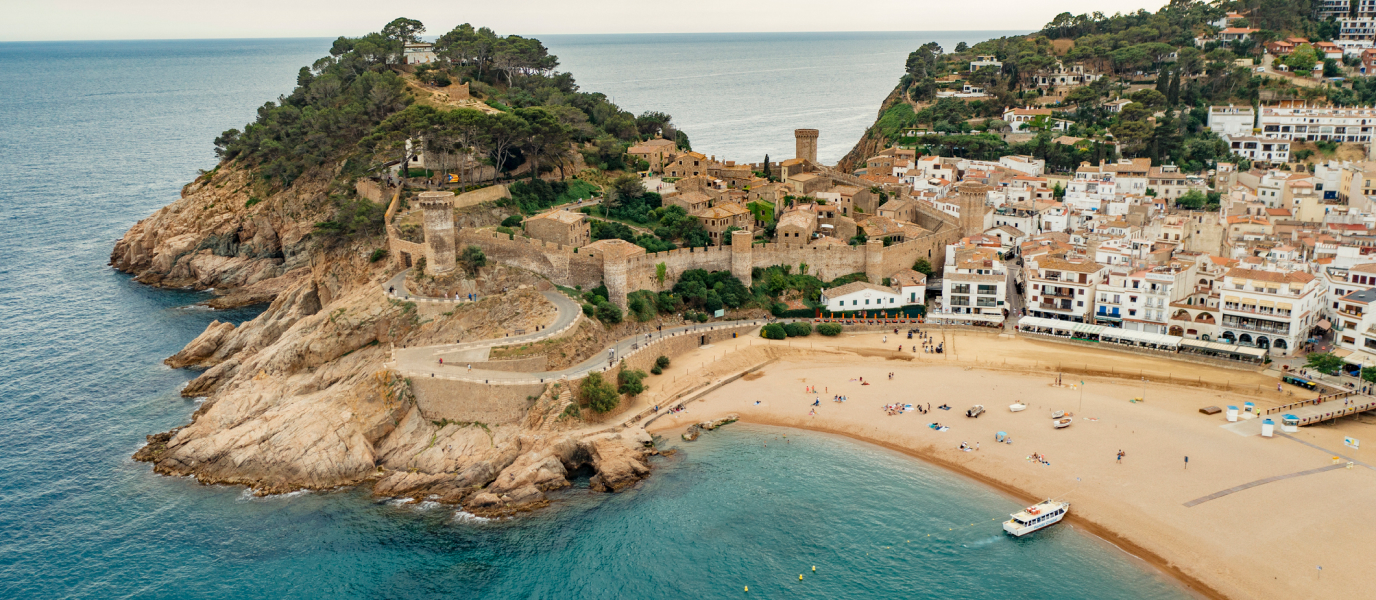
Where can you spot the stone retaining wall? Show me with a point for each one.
(473, 401)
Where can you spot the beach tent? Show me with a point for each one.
(1225, 350)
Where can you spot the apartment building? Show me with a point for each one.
(1063, 288)
(1271, 310)
(974, 282)
(1259, 149)
(1232, 120)
(1310, 123)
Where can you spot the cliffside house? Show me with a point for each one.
(560, 227)
(419, 53)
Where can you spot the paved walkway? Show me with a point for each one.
(396, 288)
(423, 362)
(1236, 489)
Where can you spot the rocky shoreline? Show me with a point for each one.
(301, 397)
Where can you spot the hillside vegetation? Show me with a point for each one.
(1149, 58)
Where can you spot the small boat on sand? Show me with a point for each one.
(1058, 414)
(1017, 407)
(1062, 423)
(975, 410)
(1036, 517)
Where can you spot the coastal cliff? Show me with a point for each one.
(301, 396)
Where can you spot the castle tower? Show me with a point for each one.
(614, 276)
(972, 198)
(439, 230)
(874, 261)
(805, 141)
(742, 263)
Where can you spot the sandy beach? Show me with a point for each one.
(1264, 541)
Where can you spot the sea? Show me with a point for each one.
(97, 135)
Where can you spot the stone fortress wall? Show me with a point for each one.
(569, 266)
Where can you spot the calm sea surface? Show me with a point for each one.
(94, 136)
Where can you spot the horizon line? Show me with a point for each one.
(533, 35)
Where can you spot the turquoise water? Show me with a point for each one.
(94, 136)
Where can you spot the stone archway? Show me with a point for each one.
(1280, 344)
(1229, 337)
(1177, 330)
(405, 259)
(1245, 338)
(1262, 342)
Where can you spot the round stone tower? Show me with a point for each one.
(439, 230)
(742, 263)
(805, 142)
(874, 261)
(972, 200)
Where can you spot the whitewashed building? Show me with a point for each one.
(1271, 310)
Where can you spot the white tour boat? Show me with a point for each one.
(1036, 517)
(1017, 407)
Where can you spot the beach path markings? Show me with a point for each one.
(1236, 489)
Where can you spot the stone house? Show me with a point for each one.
(658, 152)
(691, 202)
(717, 219)
(688, 164)
(560, 227)
(796, 227)
(804, 184)
(862, 296)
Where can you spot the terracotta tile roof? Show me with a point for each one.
(1270, 276)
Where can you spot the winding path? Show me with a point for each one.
(424, 361)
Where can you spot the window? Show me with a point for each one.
(867, 300)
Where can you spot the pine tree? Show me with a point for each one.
(765, 168)
(1163, 80)
(1173, 92)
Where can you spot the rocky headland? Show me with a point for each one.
(301, 396)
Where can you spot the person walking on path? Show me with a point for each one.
(1187, 462)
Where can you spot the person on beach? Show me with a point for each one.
(1120, 457)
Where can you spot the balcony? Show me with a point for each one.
(1060, 293)
(1055, 306)
(1256, 326)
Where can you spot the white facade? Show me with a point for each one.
(1024, 164)
(417, 54)
(1268, 309)
(1063, 289)
(985, 61)
(1339, 124)
(1232, 120)
(1258, 149)
(863, 296)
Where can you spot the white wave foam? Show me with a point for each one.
(464, 516)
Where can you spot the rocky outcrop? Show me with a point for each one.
(220, 235)
(619, 464)
(301, 397)
(697, 429)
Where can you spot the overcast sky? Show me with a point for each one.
(35, 20)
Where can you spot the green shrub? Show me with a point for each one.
(609, 313)
(589, 310)
(829, 329)
(630, 381)
(662, 362)
(251, 201)
(798, 329)
(656, 370)
(512, 221)
(702, 317)
(377, 255)
(598, 394)
(773, 331)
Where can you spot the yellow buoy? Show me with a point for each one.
(814, 568)
(747, 588)
(800, 577)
